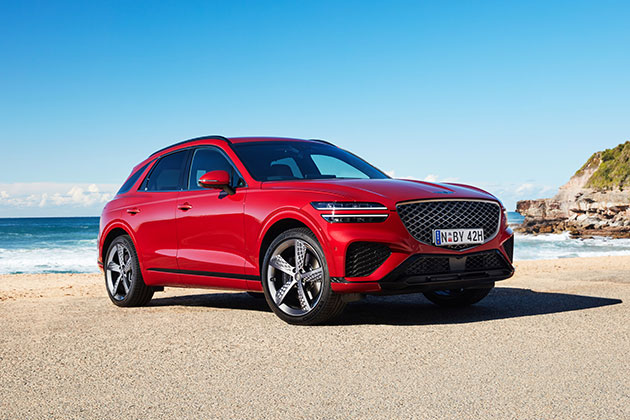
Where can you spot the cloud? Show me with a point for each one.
(510, 193)
(50, 194)
(427, 178)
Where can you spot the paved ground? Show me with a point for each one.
(551, 343)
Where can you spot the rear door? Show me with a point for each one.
(151, 213)
(210, 225)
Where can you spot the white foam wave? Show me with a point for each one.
(553, 246)
(49, 260)
(81, 256)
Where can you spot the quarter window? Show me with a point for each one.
(168, 173)
(132, 180)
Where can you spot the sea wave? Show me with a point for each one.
(553, 246)
(79, 259)
(65, 245)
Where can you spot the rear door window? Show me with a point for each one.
(168, 173)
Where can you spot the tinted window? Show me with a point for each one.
(206, 160)
(285, 167)
(132, 180)
(272, 161)
(167, 173)
(329, 165)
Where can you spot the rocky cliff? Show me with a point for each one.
(595, 201)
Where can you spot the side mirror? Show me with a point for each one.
(218, 180)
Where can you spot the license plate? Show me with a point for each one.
(445, 237)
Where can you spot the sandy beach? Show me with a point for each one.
(552, 342)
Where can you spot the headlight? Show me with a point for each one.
(354, 218)
(350, 206)
(346, 205)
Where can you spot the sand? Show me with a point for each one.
(552, 342)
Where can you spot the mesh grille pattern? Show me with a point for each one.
(429, 265)
(488, 261)
(421, 218)
(363, 258)
(426, 265)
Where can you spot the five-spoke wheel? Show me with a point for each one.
(123, 279)
(119, 272)
(296, 281)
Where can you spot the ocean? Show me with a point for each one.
(68, 245)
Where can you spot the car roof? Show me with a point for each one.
(212, 139)
(232, 140)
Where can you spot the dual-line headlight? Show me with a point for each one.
(351, 211)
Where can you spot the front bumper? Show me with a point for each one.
(387, 250)
(455, 273)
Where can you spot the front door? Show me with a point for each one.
(210, 226)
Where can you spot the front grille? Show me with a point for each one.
(363, 258)
(422, 217)
(422, 265)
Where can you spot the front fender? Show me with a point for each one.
(304, 218)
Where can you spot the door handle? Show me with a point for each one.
(184, 207)
(133, 211)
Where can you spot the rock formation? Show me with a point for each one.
(595, 201)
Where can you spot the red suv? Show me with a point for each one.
(306, 223)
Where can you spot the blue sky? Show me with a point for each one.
(510, 96)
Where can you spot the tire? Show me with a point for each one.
(457, 298)
(128, 290)
(304, 297)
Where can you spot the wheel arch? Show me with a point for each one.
(114, 231)
(280, 224)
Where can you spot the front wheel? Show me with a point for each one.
(296, 281)
(454, 298)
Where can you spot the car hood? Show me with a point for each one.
(385, 191)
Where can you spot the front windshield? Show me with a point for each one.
(290, 160)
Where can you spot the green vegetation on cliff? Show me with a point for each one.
(613, 168)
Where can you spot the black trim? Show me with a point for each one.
(191, 140)
(323, 141)
(398, 281)
(399, 275)
(508, 247)
(207, 274)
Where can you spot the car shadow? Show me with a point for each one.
(414, 309)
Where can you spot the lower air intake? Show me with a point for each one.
(363, 258)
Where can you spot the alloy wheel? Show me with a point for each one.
(294, 277)
(119, 271)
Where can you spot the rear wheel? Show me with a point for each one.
(125, 286)
(454, 298)
(296, 281)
